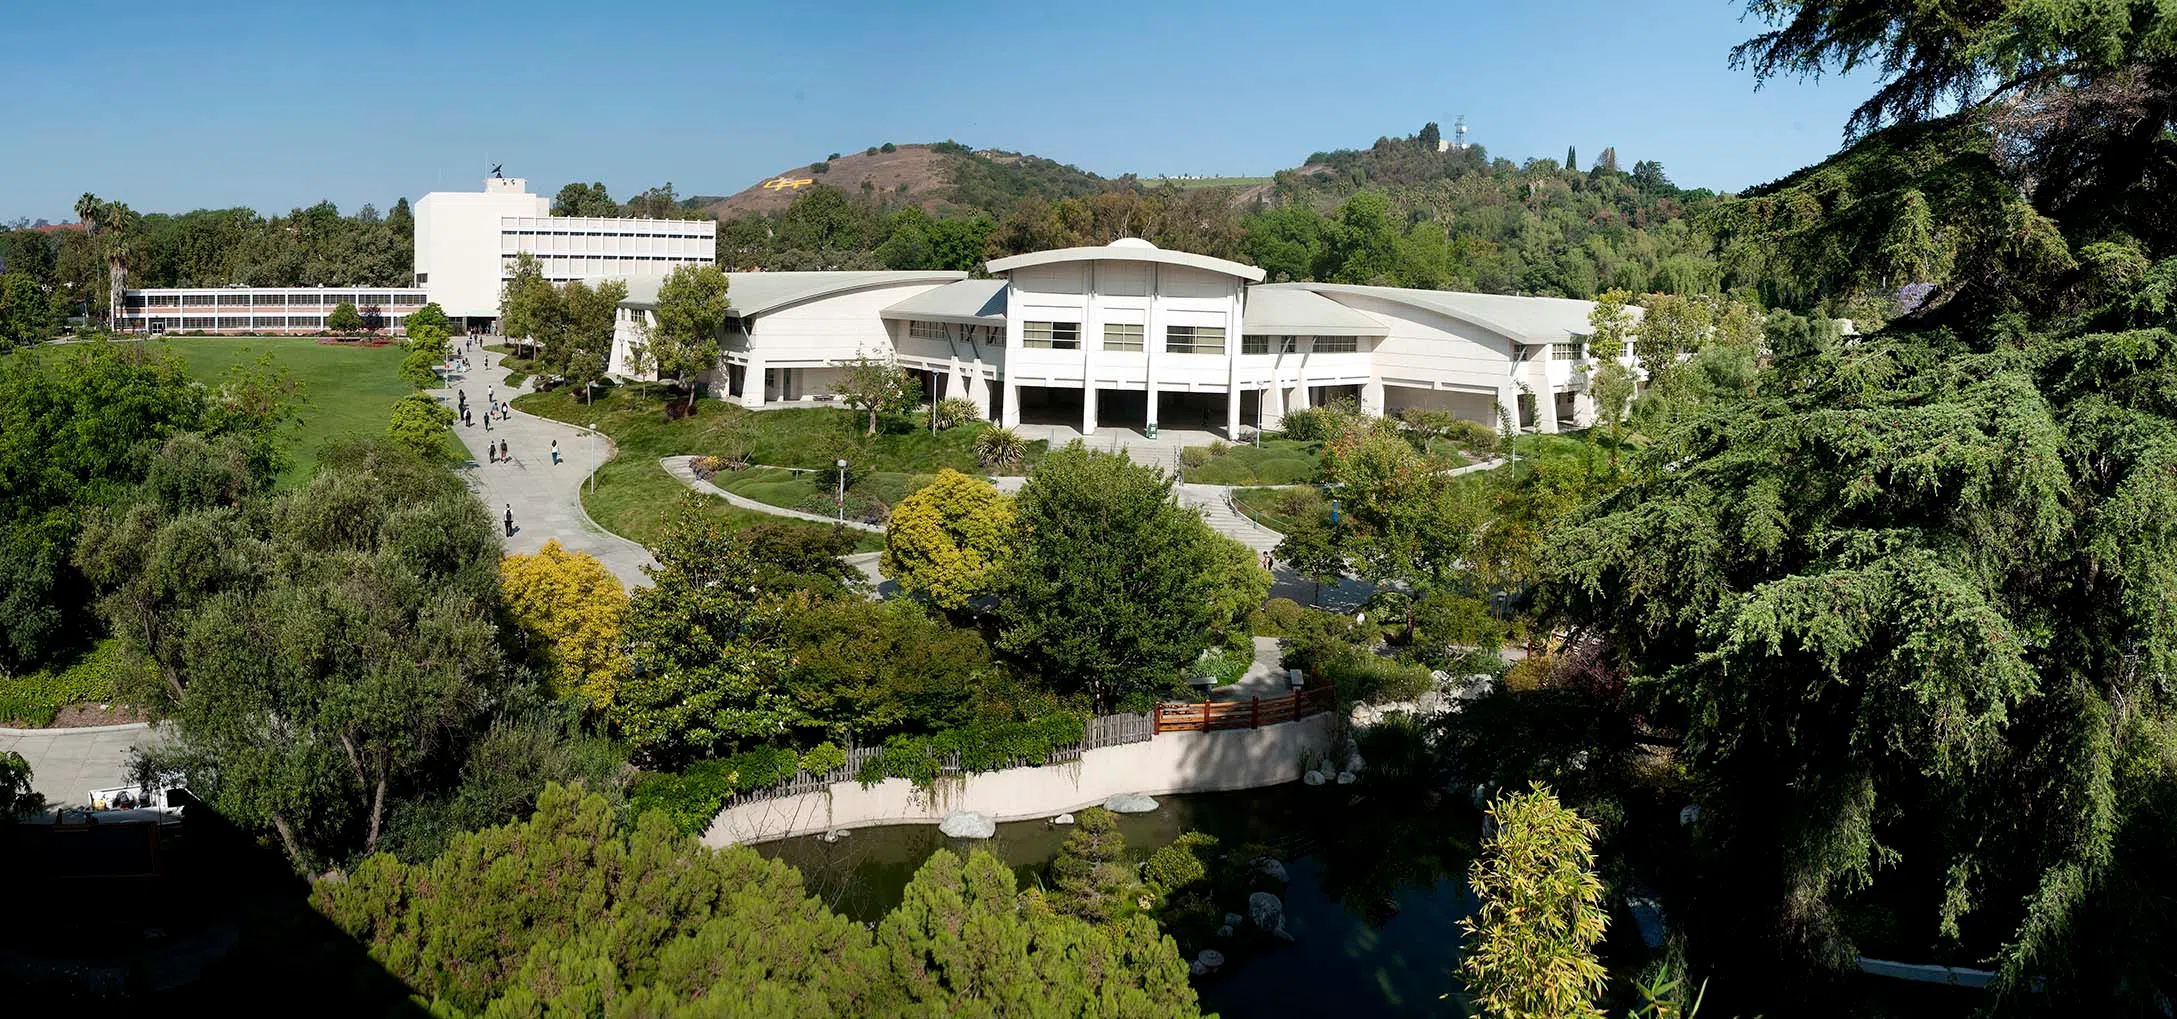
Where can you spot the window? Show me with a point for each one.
(926, 330)
(1566, 351)
(1194, 339)
(1051, 335)
(1336, 345)
(1122, 337)
(1261, 344)
(422, 278)
(234, 300)
(993, 336)
(234, 322)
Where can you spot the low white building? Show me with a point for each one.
(261, 311)
(467, 243)
(1132, 335)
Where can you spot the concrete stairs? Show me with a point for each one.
(1214, 502)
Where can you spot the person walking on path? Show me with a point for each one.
(487, 421)
(491, 453)
(510, 520)
(504, 457)
(555, 452)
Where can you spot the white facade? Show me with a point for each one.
(262, 311)
(467, 241)
(1133, 335)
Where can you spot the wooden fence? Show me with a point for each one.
(1253, 713)
(1106, 731)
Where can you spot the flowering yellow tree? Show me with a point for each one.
(943, 541)
(570, 614)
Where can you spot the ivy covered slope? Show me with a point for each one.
(1910, 602)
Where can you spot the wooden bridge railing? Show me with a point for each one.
(1254, 713)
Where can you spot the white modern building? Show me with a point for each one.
(267, 311)
(467, 241)
(1132, 335)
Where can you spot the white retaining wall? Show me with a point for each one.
(1173, 762)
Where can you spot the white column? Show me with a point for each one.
(1273, 405)
(1011, 417)
(1583, 410)
(1232, 413)
(752, 387)
(1152, 348)
(1508, 404)
(979, 391)
(1088, 406)
(1372, 397)
(1092, 341)
(1545, 409)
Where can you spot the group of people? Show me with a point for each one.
(493, 409)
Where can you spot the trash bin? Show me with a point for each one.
(1149, 430)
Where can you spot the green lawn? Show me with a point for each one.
(633, 493)
(817, 492)
(1278, 462)
(1281, 509)
(348, 391)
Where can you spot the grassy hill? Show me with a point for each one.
(941, 177)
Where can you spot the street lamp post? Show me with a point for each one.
(593, 455)
(842, 465)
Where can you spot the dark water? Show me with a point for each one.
(1377, 888)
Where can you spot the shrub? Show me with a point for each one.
(418, 369)
(1001, 449)
(1222, 665)
(1278, 617)
(706, 467)
(692, 798)
(1180, 864)
(982, 746)
(820, 167)
(956, 412)
(870, 151)
(1219, 447)
(32, 699)
(1311, 424)
(1364, 678)
(888, 147)
(1530, 673)
(823, 758)
(834, 155)
(1193, 457)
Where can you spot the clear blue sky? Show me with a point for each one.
(173, 106)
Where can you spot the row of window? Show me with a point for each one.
(249, 300)
(1129, 338)
(1567, 351)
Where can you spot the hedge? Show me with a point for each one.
(695, 796)
(982, 746)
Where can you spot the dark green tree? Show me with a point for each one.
(1109, 591)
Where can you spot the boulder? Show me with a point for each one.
(1267, 913)
(1313, 778)
(833, 835)
(1689, 815)
(1354, 763)
(1232, 919)
(1062, 819)
(1130, 803)
(1272, 869)
(967, 824)
(1210, 959)
(1347, 778)
(1224, 931)
(1196, 968)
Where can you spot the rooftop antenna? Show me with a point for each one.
(1458, 131)
(496, 167)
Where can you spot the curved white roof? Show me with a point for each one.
(1528, 320)
(1126, 249)
(968, 302)
(1276, 311)
(754, 293)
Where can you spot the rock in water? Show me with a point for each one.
(1354, 763)
(1272, 869)
(1313, 778)
(1130, 803)
(1196, 968)
(1347, 778)
(1062, 819)
(1232, 919)
(1267, 913)
(1210, 959)
(967, 824)
(1224, 931)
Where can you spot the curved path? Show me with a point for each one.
(683, 468)
(546, 498)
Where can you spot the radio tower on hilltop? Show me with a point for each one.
(1457, 139)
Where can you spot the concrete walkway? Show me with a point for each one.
(65, 764)
(546, 499)
(683, 468)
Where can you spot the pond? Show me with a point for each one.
(1377, 886)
